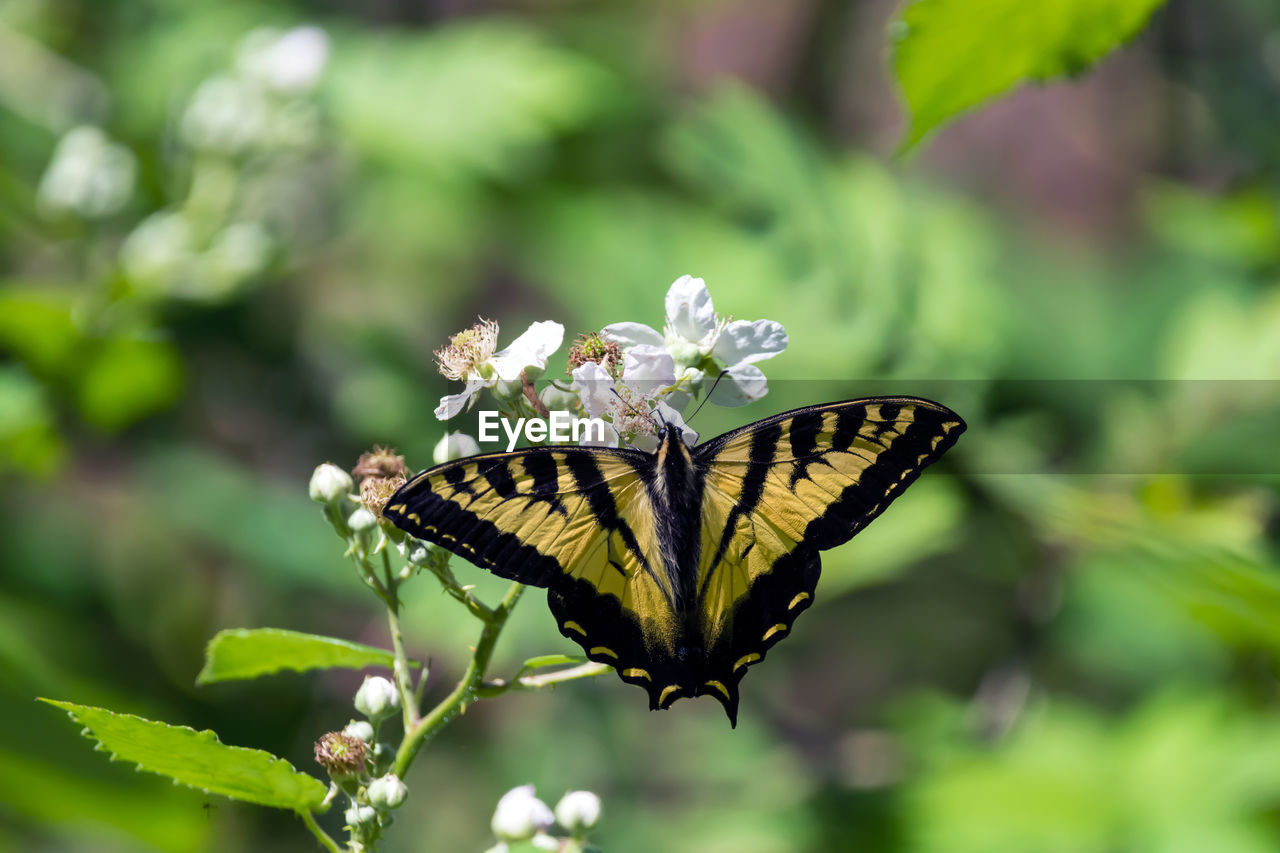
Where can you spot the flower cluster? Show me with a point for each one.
(360, 767)
(246, 135)
(631, 376)
(522, 817)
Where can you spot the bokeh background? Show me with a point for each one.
(232, 233)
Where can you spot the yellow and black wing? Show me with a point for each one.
(575, 520)
(778, 491)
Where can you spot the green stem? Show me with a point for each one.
(489, 689)
(466, 689)
(323, 837)
(404, 683)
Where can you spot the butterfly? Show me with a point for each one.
(681, 568)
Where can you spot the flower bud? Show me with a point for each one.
(520, 815)
(377, 697)
(341, 754)
(329, 484)
(543, 841)
(361, 729)
(578, 811)
(387, 792)
(357, 815)
(454, 445)
(558, 399)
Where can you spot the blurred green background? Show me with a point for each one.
(228, 247)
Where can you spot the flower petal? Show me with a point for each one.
(674, 420)
(741, 342)
(531, 349)
(648, 369)
(595, 388)
(689, 309)
(452, 405)
(627, 335)
(742, 384)
(610, 437)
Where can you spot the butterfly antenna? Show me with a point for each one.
(706, 398)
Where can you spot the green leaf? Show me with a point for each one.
(552, 660)
(198, 759)
(249, 653)
(952, 55)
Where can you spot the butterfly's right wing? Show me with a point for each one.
(780, 490)
(575, 520)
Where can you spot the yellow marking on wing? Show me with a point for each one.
(775, 629)
(746, 660)
(666, 691)
(414, 517)
(718, 686)
(636, 672)
(574, 626)
(604, 650)
(396, 508)
(800, 596)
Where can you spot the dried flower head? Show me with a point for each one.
(381, 462)
(467, 349)
(593, 346)
(341, 754)
(376, 491)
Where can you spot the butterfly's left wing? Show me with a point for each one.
(576, 520)
(780, 490)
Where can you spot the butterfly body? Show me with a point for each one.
(681, 568)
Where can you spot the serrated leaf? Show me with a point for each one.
(952, 55)
(198, 759)
(251, 652)
(552, 660)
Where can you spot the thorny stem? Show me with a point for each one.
(467, 687)
(323, 837)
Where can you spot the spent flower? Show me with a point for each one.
(376, 491)
(381, 462)
(473, 357)
(341, 754)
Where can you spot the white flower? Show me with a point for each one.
(632, 407)
(290, 62)
(694, 333)
(470, 357)
(454, 445)
(225, 115)
(89, 175)
(520, 815)
(578, 811)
